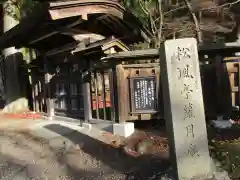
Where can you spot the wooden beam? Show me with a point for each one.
(120, 23)
(154, 53)
(147, 53)
(103, 17)
(56, 32)
(64, 48)
(85, 11)
(43, 37)
(73, 31)
(117, 43)
(82, 2)
(219, 46)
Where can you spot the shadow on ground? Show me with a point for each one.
(25, 157)
(140, 168)
(17, 170)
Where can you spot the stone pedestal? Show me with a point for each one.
(87, 125)
(123, 129)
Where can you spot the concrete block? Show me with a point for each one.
(50, 118)
(87, 125)
(123, 129)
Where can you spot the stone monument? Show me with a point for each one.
(184, 109)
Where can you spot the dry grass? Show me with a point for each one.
(227, 153)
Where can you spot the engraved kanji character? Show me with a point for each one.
(192, 150)
(190, 131)
(184, 73)
(182, 53)
(186, 90)
(188, 111)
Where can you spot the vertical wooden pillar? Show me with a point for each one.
(121, 93)
(238, 103)
(36, 91)
(87, 101)
(238, 41)
(218, 66)
(96, 94)
(15, 98)
(33, 79)
(112, 78)
(103, 94)
(49, 100)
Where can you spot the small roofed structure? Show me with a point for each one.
(53, 24)
(70, 38)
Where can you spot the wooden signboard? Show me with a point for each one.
(143, 94)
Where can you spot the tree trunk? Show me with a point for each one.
(13, 96)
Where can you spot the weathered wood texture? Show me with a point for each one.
(125, 91)
(45, 29)
(220, 83)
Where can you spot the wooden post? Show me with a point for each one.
(33, 79)
(121, 93)
(103, 94)
(15, 98)
(36, 91)
(87, 101)
(96, 94)
(112, 78)
(49, 100)
(238, 85)
(33, 96)
(218, 88)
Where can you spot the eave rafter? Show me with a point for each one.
(60, 21)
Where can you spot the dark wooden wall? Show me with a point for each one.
(220, 82)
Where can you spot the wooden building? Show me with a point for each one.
(69, 38)
(220, 70)
(85, 69)
(68, 72)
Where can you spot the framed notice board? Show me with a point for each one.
(143, 94)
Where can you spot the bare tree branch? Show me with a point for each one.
(220, 6)
(160, 23)
(144, 9)
(195, 20)
(153, 25)
(180, 30)
(223, 5)
(173, 10)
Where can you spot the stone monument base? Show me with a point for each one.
(87, 125)
(123, 129)
(168, 175)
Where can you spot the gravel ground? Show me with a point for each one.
(81, 154)
(24, 157)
